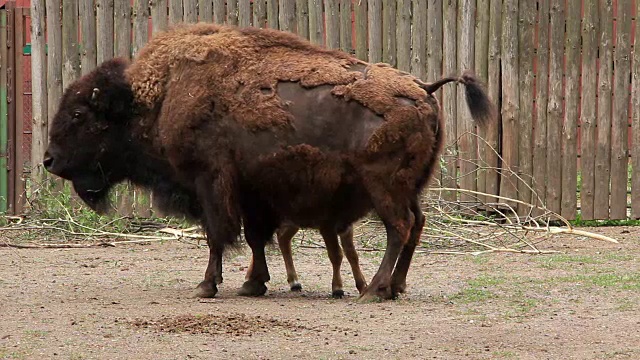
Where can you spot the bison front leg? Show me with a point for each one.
(335, 256)
(258, 230)
(221, 222)
(285, 236)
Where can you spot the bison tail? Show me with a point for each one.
(480, 106)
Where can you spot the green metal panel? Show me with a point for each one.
(4, 189)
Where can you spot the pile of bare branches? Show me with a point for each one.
(481, 223)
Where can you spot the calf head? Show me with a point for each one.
(88, 138)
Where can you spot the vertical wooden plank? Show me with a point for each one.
(122, 25)
(361, 29)
(389, 30)
(540, 130)
(492, 134)
(527, 13)
(4, 119)
(38, 93)
(403, 32)
(87, 18)
(570, 128)
(205, 10)
(260, 14)
(190, 8)
(11, 104)
(434, 57)
(332, 19)
(468, 143)
(419, 39)
(232, 12)
(375, 30)
(140, 25)
(588, 107)
(287, 15)
(104, 34)
(272, 14)
(481, 63)
(554, 109)
(159, 19)
(18, 43)
(219, 11)
(635, 121)
(346, 32)
(302, 18)
(510, 100)
(450, 67)
(620, 123)
(603, 154)
(316, 23)
(175, 12)
(434, 41)
(54, 56)
(244, 13)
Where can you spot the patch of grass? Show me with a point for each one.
(480, 260)
(555, 261)
(484, 281)
(503, 354)
(629, 281)
(36, 333)
(595, 223)
(473, 295)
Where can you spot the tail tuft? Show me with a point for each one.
(480, 106)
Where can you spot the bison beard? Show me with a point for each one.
(259, 127)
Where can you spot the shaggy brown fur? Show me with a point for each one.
(262, 128)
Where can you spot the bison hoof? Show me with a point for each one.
(337, 294)
(205, 290)
(398, 288)
(381, 293)
(252, 288)
(296, 286)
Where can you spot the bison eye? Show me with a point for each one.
(77, 114)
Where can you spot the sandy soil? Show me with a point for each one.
(132, 302)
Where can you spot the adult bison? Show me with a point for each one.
(259, 127)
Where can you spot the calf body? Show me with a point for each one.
(261, 128)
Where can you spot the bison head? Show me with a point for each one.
(88, 136)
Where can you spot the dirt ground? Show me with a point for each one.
(132, 302)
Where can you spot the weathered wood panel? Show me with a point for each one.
(570, 129)
(176, 11)
(619, 125)
(403, 32)
(190, 9)
(316, 23)
(419, 39)
(510, 100)
(346, 32)
(540, 130)
(361, 29)
(219, 11)
(287, 15)
(302, 18)
(332, 20)
(554, 108)
(244, 13)
(588, 119)
(205, 10)
(527, 14)
(232, 12)
(635, 122)
(481, 54)
(87, 21)
(389, 31)
(467, 143)
(54, 56)
(122, 26)
(375, 30)
(140, 25)
(39, 133)
(603, 154)
(159, 18)
(105, 30)
(272, 14)
(450, 66)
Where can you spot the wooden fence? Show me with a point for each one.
(566, 81)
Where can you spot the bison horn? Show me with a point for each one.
(95, 93)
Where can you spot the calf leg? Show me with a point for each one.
(221, 222)
(335, 256)
(285, 236)
(346, 239)
(399, 278)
